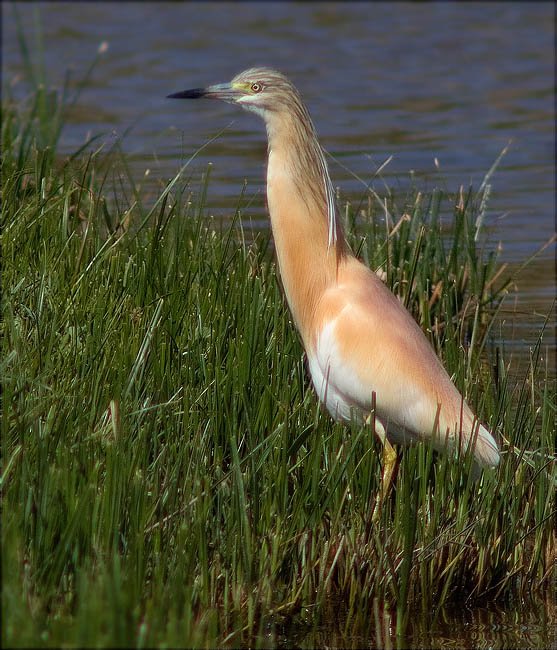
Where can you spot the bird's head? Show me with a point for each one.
(274, 98)
(258, 89)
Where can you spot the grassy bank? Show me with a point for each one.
(167, 474)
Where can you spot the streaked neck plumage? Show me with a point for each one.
(308, 237)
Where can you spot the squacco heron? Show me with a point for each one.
(367, 357)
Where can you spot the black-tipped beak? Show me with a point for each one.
(194, 93)
(219, 91)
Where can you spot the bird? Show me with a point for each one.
(369, 360)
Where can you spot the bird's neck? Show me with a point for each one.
(308, 258)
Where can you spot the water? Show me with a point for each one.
(446, 82)
(520, 626)
(421, 82)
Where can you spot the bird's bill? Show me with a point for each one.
(226, 92)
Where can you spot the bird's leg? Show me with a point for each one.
(389, 462)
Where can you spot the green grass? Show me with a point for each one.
(167, 475)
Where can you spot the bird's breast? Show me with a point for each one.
(335, 382)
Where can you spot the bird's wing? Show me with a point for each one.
(367, 343)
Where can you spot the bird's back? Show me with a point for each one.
(367, 348)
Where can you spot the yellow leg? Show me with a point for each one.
(389, 462)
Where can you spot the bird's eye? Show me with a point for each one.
(256, 88)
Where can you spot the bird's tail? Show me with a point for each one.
(472, 437)
(486, 450)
